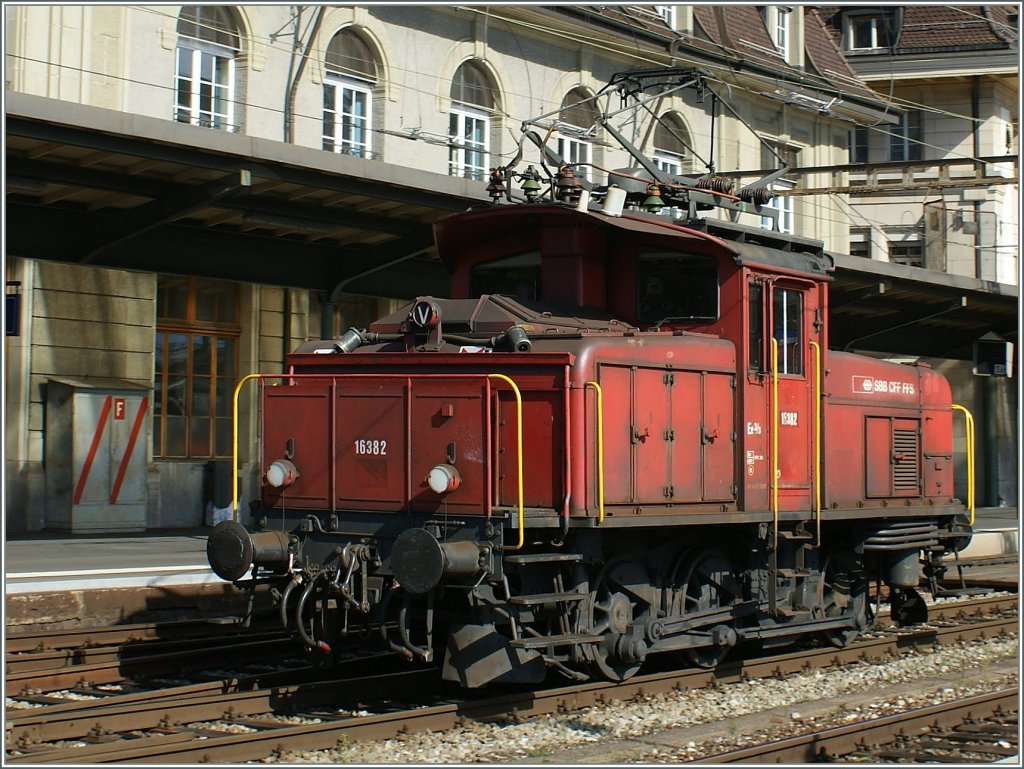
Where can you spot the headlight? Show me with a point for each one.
(443, 479)
(281, 473)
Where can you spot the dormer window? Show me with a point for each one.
(777, 19)
(868, 31)
(668, 13)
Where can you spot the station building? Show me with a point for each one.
(192, 191)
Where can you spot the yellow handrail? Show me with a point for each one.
(969, 436)
(600, 451)
(519, 443)
(817, 438)
(234, 443)
(775, 442)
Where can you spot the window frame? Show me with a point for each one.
(914, 248)
(755, 325)
(577, 153)
(461, 151)
(861, 238)
(572, 147)
(784, 204)
(778, 22)
(668, 162)
(791, 357)
(876, 33)
(858, 144)
(667, 14)
(649, 255)
(524, 268)
(473, 101)
(219, 385)
(222, 59)
(906, 138)
(342, 122)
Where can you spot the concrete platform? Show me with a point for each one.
(996, 532)
(48, 562)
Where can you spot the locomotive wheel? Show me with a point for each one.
(709, 584)
(844, 594)
(620, 601)
(907, 607)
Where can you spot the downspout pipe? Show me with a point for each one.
(989, 385)
(293, 87)
(976, 152)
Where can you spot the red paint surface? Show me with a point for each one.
(91, 454)
(132, 438)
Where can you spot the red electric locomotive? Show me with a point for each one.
(625, 434)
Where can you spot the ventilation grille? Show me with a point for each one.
(906, 469)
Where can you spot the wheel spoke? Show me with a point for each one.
(616, 604)
(704, 588)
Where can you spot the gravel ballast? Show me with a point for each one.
(685, 725)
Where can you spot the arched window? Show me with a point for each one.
(352, 73)
(208, 42)
(577, 122)
(469, 122)
(671, 138)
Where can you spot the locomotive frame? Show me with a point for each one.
(624, 436)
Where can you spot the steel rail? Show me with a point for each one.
(126, 652)
(16, 641)
(116, 670)
(831, 744)
(269, 739)
(203, 702)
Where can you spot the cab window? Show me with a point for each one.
(674, 287)
(515, 276)
(787, 328)
(755, 329)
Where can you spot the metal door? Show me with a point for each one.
(792, 312)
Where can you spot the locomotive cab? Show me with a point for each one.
(624, 434)
(616, 424)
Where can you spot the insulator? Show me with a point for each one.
(567, 186)
(757, 195)
(496, 187)
(716, 184)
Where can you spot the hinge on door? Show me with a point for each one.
(669, 492)
(732, 382)
(670, 435)
(734, 489)
(669, 378)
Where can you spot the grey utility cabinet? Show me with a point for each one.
(97, 440)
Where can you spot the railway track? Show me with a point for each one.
(242, 720)
(42, 661)
(977, 729)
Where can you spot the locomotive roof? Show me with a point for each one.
(746, 245)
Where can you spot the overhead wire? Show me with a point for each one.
(317, 52)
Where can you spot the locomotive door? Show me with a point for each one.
(780, 397)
